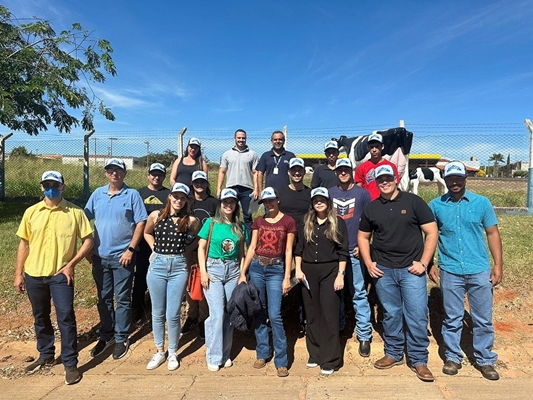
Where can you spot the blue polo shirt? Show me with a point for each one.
(462, 224)
(269, 161)
(115, 218)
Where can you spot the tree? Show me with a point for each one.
(496, 157)
(166, 158)
(21, 151)
(43, 74)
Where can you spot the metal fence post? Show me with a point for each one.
(86, 189)
(180, 141)
(285, 132)
(2, 165)
(529, 127)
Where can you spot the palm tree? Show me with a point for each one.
(496, 157)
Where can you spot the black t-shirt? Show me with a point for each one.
(324, 176)
(294, 203)
(154, 199)
(395, 225)
(203, 209)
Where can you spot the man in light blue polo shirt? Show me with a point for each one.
(120, 216)
(462, 218)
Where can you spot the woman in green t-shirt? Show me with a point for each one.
(219, 275)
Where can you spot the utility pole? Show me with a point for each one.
(147, 143)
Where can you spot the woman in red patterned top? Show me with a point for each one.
(269, 262)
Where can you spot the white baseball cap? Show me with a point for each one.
(455, 168)
(343, 162)
(268, 193)
(227, 194)
(158, 167)
(199, 175)
(320, 191)
(296, 162)
(331, 145)
(116, 162)
(52, 176)
(375, 137)
(180, 187)
(384, 170)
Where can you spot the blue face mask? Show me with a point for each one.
(52, 193)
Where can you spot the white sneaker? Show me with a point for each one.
(157, 359)
(173, 362)
(213, 367)
(327, 371)
(228, 363)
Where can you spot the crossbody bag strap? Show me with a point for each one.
(209, 238)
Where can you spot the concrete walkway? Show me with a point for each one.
(105, 378)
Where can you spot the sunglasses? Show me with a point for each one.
(48, 185)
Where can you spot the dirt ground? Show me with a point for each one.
(513, 321)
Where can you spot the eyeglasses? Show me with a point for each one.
(112, 171)
(47, 185)
(318, 199)
(179, 196)
(383, 179)
(199, 182)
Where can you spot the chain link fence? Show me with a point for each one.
(496, 155)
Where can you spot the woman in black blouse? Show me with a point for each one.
(321, 255)
(168, 232)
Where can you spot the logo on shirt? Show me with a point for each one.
(370, 176)
(152, 200)
(345, 208)
(228, 246)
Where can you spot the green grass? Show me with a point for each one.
(516, 234)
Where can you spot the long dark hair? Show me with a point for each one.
(236, 222)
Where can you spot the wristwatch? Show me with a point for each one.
(131, 249)
(342, 272)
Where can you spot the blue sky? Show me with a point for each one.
(260, 65)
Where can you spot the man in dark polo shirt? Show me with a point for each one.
(398, 264)
(154, 197)
(274, 164)
(324, 175)
(295, 198)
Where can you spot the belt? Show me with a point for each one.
(266, 261)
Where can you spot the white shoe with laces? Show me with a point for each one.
(157, 359)
(173, 362)
(228, 363)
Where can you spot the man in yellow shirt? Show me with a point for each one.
(46, 258)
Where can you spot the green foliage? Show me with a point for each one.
(42, 74)
(520, 174)
(21, 151)
(166, 158)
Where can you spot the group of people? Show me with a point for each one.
(346, 226)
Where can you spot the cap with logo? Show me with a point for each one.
(157, 167)
(268, 193)
(320, 191)
(198, 175)
(180, 187)
(296, 162)
(195, 141)
(228, 194)
(343, 162)
(331, 145)
(52, 176)
(117, 162)
(384, 170)
(375, 137)
(455, 168)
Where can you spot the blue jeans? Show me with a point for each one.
(405, 302)
(113, 280)
(363, 327)
(40, 291)
(479, 290)
(166, 279)
(269, 280)
(243, 194)
(218, 331)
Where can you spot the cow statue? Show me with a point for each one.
(427, 176)
(397, 145)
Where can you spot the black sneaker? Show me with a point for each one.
(72, 375)
(121, 348)
(38, 364)
(101, 346)
(189, 324)
(201, 330)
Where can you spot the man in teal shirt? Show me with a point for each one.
(463, 218)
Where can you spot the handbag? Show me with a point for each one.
(194, 283)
